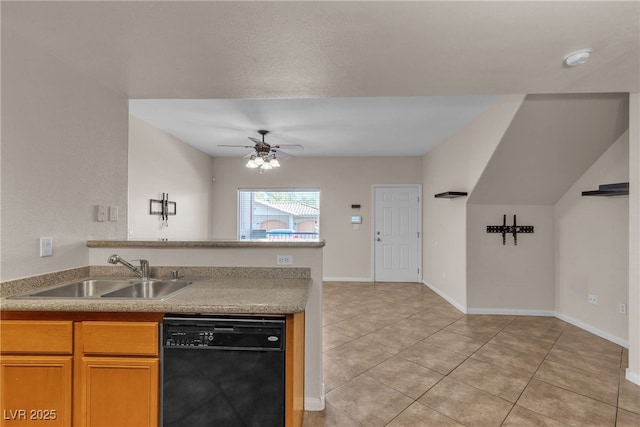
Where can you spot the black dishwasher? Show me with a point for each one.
(223, 371)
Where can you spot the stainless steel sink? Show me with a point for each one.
(93, 288)
(111, 288)
(150, 289)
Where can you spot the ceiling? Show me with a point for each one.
(340, 78)
(356, 126)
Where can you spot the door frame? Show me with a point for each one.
(373, 225)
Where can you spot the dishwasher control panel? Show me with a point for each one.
(188, 339)
(258, 334)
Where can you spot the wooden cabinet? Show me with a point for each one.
(294, 371)
(36, 390)
(118, 391)
(117, 374)
(101, 369)
(79, 372)
(36, 373)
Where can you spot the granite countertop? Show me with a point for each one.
(227, 295)
(205, 243)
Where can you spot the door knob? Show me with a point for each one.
(379, 239)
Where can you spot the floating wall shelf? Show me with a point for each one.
(450, 194)
(608, 190)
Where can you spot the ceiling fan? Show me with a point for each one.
(265, 156)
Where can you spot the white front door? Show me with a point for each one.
(397, 234)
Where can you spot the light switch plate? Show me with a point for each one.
(102, 213)
(46, 246)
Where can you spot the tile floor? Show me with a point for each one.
(398, 355)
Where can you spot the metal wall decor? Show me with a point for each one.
(511, 229)
(163, 207)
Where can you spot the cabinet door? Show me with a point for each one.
(35, 390)
(119, 391)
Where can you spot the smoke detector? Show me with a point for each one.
(577, 57)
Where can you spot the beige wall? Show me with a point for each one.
(160, 163)
(550, 143)
(592, 243)
(509, 278)
(456, 165)
(342, 182)
(64, 151)
(633, 373)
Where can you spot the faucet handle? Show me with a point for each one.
(174, 274)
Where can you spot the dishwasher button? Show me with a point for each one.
(273, 338)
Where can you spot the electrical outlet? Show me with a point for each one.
(622, 308)
(284, 260)
(593, 299)
(46, 246)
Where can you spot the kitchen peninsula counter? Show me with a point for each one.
(228, 295)
(205, 243)
(232, 277)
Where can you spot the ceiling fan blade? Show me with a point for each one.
(290, 146)
(235, 146)
(282, 154)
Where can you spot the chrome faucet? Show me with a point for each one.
(143, 271)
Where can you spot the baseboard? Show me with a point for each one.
(527, 312)
(314, 403)
(446, 297)
(602, 334)
(511, 312)
(632, 376)
(347, 279)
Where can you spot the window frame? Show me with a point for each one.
(244, 226)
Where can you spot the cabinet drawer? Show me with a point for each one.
(36, 336)
(122, 338)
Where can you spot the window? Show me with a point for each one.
(278, 214)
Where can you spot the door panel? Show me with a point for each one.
(119, 391)
(35, 391)
(396, 234)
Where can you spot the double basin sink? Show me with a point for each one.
(137, 289)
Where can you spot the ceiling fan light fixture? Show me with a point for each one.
(577, 57)
(263, 155)
(251, 164)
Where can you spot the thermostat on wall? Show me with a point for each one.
(356, 219)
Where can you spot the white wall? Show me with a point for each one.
(456, 165)
(592, 243)
(64, 151)
(509, 278)
(342, 182)
(160, 163)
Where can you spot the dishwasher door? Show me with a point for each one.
(223, 371)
